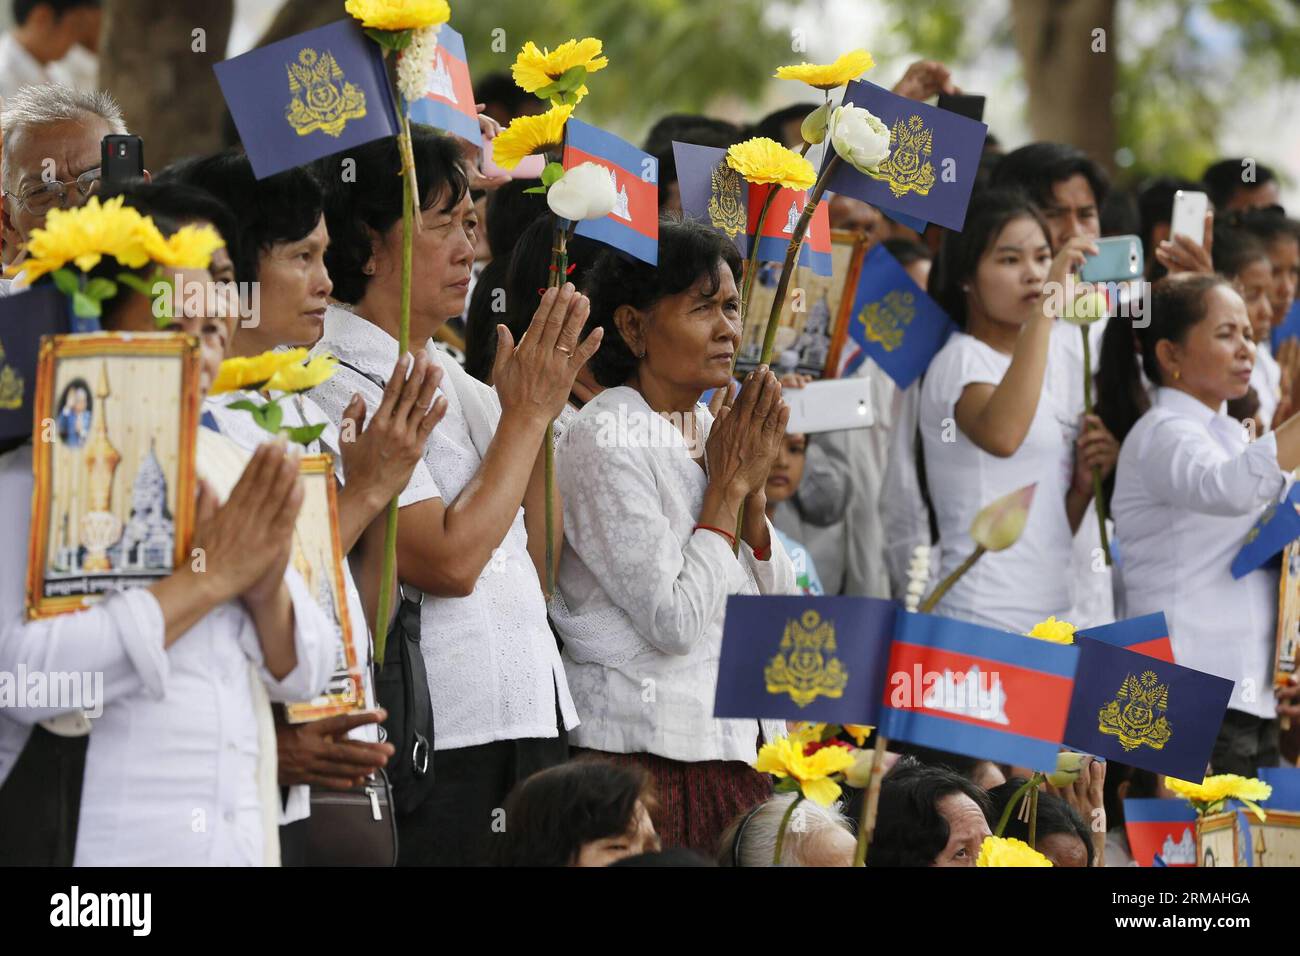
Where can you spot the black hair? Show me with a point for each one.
(1176, 304)
(1037, 167)
(910, 830)
(1235, 248)
(1118, 215)
(554, 812)
(508, 290)
(281, 208)
(1054, 816)
(510, 210)
(500, 87)
(773, 124)
(907, 251)
(1223, 178)
(959, 257)
(23, 8)
(168, 201)
(1142, 784)
(685, 128)
(687, 250)
(1121, 398)
(1268, 224)
(368, 200)
(957, 763)
(673, 856)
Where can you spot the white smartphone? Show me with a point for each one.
(1189, 215)
(833, 405)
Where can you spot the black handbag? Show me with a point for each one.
(402, 686)
(40, 801)
(355, 827)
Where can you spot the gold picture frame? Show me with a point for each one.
(814, 323)
(1286, 650)
(318, 558)
(115, 418)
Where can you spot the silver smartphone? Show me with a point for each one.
(1189, 215)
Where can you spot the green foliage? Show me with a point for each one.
(664, 55)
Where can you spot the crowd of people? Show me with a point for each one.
(576, 727)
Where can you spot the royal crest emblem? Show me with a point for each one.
(11, 385)
(806, 666)
(726, 206)
(1264, 519)
(886, 321)
(1137, 714)
(908, 168)
(323, 99)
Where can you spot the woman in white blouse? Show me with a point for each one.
(180, 767)
(992, 420)
(651, 488)
(471, 524)
(1188, 489)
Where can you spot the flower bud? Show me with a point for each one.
(999, 524)
(1068, 766)
(1086, 309)
(813, 129)
(858, 776)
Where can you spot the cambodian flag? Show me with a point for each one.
(1163, 828)
(1277, 527)
(697, 169)
(977, 691)
(309, 96)
(1148, 635)
(633, 226)
(448, 101)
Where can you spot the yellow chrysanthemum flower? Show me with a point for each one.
(1008, 851)
(859, 732)
(253, 371)
(299, 378)
(785, 758)
(84, 235)
(827, 76)
(190, 247)
(1212, 793)
(534, 68)
(1058, 632)
(530, 134)
(399, 14)
(762, 161)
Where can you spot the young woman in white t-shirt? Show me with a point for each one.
(993, 420)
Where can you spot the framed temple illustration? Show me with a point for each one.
(811, 323)
(1288, 617)
(318, 558)
(113, 465)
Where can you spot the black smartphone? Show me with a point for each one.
(121, 159)
(964, 104)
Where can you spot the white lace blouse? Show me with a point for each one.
(641, 596)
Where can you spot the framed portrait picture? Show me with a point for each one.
(318, 557)
(113, 465)
(815, 312)
(1288, 617)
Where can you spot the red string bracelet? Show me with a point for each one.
(762, 554)
(726, 534)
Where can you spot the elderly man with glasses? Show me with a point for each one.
(51, 155)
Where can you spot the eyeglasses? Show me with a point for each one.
(41, 199)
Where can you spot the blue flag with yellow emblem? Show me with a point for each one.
(804, 658)
(25, 317)
(933, 159)
(1277, 527)
(1145, 712)
(308, 96)
(893, 320)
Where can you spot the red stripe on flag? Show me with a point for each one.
(1035, 703)
(642, 197)
(1161, 648)
(819, 230)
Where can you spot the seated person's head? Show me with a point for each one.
(928, 816)
(1066, 184)
(985, 774)
(1240, 184)
(676, 325)
(815, 836)
(582, 813)
(1243, 258)
(50, 28)
(787, 471)
(1059, 833)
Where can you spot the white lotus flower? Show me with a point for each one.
(859, 136)
(584, 192)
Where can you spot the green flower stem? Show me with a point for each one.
(929, 603)
(409, 200)
(867, 823)
(559, 268)
(780, 833)
(1030, 784)
(1096, 472)
(1033, 817)
(792, 257)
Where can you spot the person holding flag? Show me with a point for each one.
(991, 418)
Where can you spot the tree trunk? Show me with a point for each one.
(160, 71)
(299, 16)
(1071, 82)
